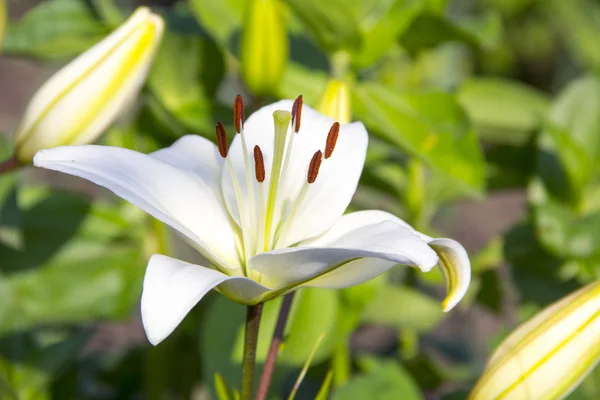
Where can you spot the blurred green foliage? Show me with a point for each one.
(464, 101)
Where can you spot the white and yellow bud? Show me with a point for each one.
(264, 46)
(549, 355)
(3, 21)
(83, 98)
(335, 101)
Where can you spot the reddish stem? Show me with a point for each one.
(269, 367)
(9, 165)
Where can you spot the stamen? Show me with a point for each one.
(313, 167)
(259, 164)
(222, 142)
(297, 113)
(332, 139)
(238, 113)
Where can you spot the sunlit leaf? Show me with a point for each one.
(55, 29)
(402, 307)
(503, 111)
(384, 380)
(430, 125)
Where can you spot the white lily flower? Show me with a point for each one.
(266, 214)
(83, 98)
(549, 355)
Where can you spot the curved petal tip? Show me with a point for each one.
(456, 267)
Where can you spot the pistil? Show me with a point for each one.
(282, 121)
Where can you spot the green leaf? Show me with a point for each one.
(10, 214)
(224, 392)
(570, 144)
(31, 361)
(536, 272)
(578, 20)
(566, 234)
(299, 80)
(325, 387)
(384, 380)
(411, 309)
(222, 19)
(72, 291)
(503, 111)
(55, 29)
(331, 23)
(184, 78)
(429, 30)
(430, 125)
(380, 26)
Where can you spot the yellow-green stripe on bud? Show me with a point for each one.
(549, 355)
(83, 98)
(264, 46)
(3, 21)
(335, 101)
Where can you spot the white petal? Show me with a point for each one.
(78, 102)
(196, 154)
(356, 220)
(453, 259)
(176, 197)
(387, 241)
(173, 287)
(329, 196)
(455, 264)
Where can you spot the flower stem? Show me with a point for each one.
(250, 340)
(269, 367)
(9, 164)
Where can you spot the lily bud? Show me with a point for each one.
(2, 21)
(549, 355)
(83, 98)
(264, 46)
(335, 101)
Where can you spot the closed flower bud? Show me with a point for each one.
(335, 101)
(3, 21)
(264, 46)
(82, 99)
(549, 355)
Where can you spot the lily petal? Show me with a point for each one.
(325, 201)
(456, 267)
(173, 287)
(176, 197)
(453, 259)
(196, 154)
(388, 241)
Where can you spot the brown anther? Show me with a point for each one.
(222, 142)
(259, 164)
(297, 113)
(332, 139)
(238, 113)
(313, 167)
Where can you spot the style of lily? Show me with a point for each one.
(266, 213)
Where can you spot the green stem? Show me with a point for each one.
(250, 340)
(341, 363)
(415, 193)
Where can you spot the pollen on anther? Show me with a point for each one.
(297, 113)
(313, 167)
(259, 164)
(332, 139)
(222, 142)
(238, 113)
